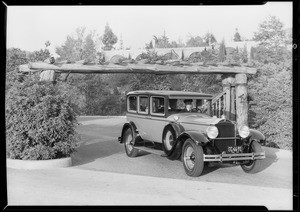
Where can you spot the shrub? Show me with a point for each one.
(40, 122)
(271, 106)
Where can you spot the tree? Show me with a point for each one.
(237, 36)
(162, 42)
(222, 52)
(109, 38)
(89, 49)
(209, 38)
(270, 33)
(195, 42)
(270, 90)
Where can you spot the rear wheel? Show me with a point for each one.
(253, 166)
(192, 158)
(128, 143)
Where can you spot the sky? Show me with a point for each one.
(29, 27)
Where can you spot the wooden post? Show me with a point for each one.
(232, 104)
(209, 108)
(227, 82)
(241, 100)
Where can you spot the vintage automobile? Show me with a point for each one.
(158, 122)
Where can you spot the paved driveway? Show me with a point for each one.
(103, 175)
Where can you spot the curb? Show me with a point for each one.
(38, 164)
(102, 116)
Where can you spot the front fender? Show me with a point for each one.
(256, 135)
(196, 136)
(177, 128)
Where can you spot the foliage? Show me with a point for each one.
(209, 38)
(196, 42)
(270, 33)
(109, 38)
(14, 58)
(40, 123)
(89, 50)
(237, 37)
(78, 47)
(270, 90)
(222, 52)
(205, 83)
(271, 105)
(162, 41)
(40, 55)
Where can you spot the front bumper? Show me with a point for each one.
(234, 157)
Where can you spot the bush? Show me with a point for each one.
(40, 122)
(271, 105)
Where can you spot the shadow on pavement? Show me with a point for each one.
(87, 153)
(271, 157)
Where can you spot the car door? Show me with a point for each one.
(157, 120)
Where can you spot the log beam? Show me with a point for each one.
(137, 68)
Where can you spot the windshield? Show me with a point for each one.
(189, 105)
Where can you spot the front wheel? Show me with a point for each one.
(169, 139)
(128, 143)
(253, 166)
(192, 158)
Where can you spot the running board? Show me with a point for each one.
(151, 150)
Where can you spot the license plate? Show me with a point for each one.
(234, 149)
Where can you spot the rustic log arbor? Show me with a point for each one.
(232, 102)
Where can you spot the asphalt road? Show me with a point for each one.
(102, 174)
(101, 151)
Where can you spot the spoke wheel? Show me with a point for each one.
(253, 166)
(192, 158)
(128, 143)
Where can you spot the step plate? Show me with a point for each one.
(151, 150)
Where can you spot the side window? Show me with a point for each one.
(157, 106)
(132, 104)
(143, 104)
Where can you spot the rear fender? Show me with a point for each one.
(125, 127)
(197, 137)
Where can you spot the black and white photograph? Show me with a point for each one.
(174, 105)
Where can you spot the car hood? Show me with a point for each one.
(194, 118)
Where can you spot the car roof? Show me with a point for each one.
(173, 94)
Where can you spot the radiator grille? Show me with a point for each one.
(226, 130)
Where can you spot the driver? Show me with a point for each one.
(188, 106)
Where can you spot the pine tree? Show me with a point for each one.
(237, 36)
(109, 38)
(222, 52)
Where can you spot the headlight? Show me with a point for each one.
(244, 131)
(212, 132)
(176, 118)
